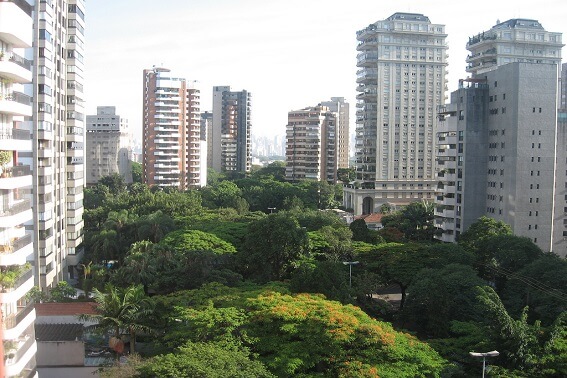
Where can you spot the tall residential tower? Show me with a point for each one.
(18, 348)
(108, 149)
(229, 142)
(402, 64)
(58, 139)
(171, 132)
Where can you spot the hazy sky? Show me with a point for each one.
(289, 54)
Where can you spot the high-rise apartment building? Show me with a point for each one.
(560, 216)
(342, 108)
(18, 348)
(496, 139)
(108, 149)
(312, 144)
(402, 64)
(229, 142)
(171, 156)
(58, 139)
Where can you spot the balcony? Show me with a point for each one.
(16, 104)
(15, 68)
(12, 320)
(27, 348)
(16, 23)
(16, 251)
(16, 213)
(15, 282)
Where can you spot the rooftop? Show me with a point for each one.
(62, 309)
(58, 332)
(408, 17)
(523, 23)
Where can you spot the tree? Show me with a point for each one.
(193, 240)
(137, 172)
(154, 226)
(430, 304)
(273, 247)
(62, 292)
(326, 277)
(299, 335)
(211, 360)
(114, 182)
(541, 285)
(346, 175)
(122, 310)
(481, 230)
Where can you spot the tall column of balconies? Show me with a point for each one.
(16, 244)
(75, 131)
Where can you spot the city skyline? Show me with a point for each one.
(270, 48)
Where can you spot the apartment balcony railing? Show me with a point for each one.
(13, 320)
(20, 61)
(16, 245)
(17, 97)
(16, 134)
(16, 208)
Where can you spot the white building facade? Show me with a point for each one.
(402, 64)
(108, 149)
(16, 243)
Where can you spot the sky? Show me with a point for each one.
(289, 54)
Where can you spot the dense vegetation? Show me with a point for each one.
(246, 278)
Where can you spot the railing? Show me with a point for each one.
(17, 97)
(16, 244)
(17, 208)
(20, 61)
(15, 134)
(13, 320)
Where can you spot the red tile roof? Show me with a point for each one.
(62, 309)
(371, 218)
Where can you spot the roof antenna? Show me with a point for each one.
(497, 21)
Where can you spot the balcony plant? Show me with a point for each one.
(5, 158)
(9, 275)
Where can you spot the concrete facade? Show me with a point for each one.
(171, 149)
(108, 148)
(229, 140)
(401, 80)
(501, 137)
(311, 148)
(18, 348)
(342, 108)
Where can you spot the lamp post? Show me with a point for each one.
(350, 264)
(493, 353)
(271, 209)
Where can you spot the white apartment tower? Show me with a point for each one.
(108, 149)
(342, 108)
(229, 142)
(497, 137)
(402, 64)
(171, 150)
(58, 139)
(18, 348)
(311, 148)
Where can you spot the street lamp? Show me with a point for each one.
(493, 353)
(350, 264)
(271, 209)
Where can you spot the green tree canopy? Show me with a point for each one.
(273, 247)
(194, 240)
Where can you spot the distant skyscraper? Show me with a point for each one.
(341, 107)
(311, 150)
(401, 80)
(108, 149)
(171, 151)
(16, 242)
(496, 140)
(206, 129)
(229, 142)
(58, 139)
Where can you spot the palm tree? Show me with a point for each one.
(139, 265)
(155, 226)
(121, 310)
